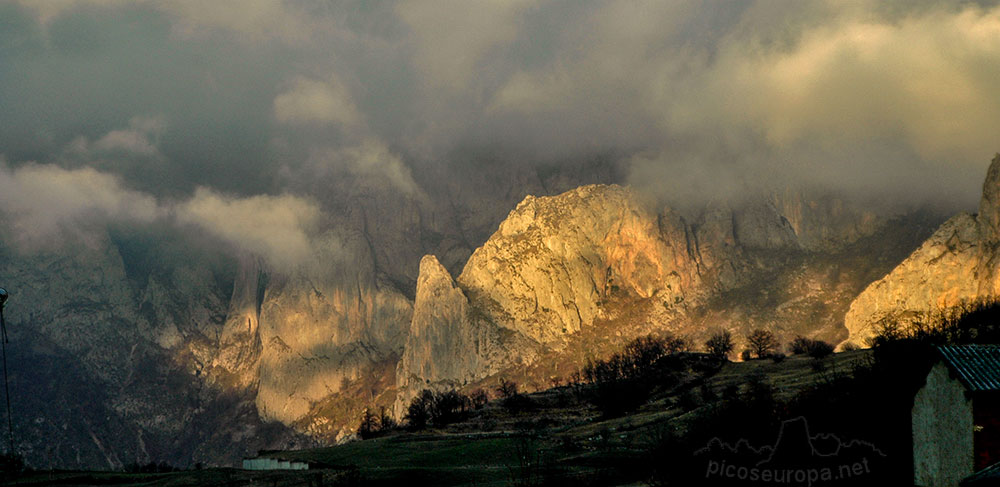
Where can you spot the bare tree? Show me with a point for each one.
(761, 343)
(507, 389)
(720, 345)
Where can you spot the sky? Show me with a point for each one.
(213, 114)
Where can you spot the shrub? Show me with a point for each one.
(624, 381)
(518, 403)
(439, 409)
(820, 349)
(814, 348)
(449, 407)
(758, 393)
(849, 347)
(151, 467)
(720, 345)
(385, 420)
(673, 344)
(479, 398)
(745, 355)
(731, 392)
(799, 345)
(886, 330)
(707, 394)
(418, 413)
(369, 425)
(688, 400)
(778, 357)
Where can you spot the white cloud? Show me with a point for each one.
(46, 202)
(841, 95)
(371, 160)
(931, 79)
(139, 139)
(313, 101)
(46, 206)
(279, 228)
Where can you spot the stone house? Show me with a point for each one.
(956, 416)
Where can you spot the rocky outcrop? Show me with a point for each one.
(185, 350)
(957, 265)
(938, 275)
(558, 265)
(324, 324)
(239, 342)
(554, 260)
(451, 343)
(822, 221)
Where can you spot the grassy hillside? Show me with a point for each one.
(556, 437)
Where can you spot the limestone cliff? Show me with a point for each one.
(450, 343)
(554, 260)
(955, 266)
(299, 335)
(189, 351)
(597, 264)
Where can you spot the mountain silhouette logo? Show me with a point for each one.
(797, 457)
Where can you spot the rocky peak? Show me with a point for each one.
(449, 344)
(989, 205)
(239, 341)
(954, 267)
(554, 259)
(434, 282)
(439, 328)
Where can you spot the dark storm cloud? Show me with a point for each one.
(91, 69)
(204, 106)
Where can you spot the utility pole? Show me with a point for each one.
(6, 387)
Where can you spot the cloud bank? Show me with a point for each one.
(218, 107)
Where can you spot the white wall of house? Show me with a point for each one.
(942, 431)
(272, 464)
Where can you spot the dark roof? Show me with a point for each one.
(987, 476)
(977, 366)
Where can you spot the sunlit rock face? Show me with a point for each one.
(450, 343)
(556, 264)
(545, 275)
(239, 342)
(553, 260)
(599, 258)
(956, 266)
(169, 347)
(298, 336)
(939, 275)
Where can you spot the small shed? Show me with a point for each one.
(956, 416)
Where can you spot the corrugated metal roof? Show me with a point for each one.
(977, 366)
(987, 476)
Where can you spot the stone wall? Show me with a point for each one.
(942, 431)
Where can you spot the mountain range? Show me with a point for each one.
(139, 345)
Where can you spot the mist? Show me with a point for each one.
(231, 116)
